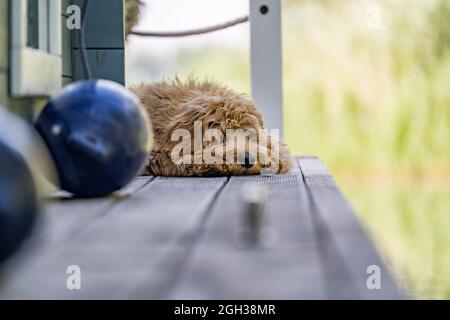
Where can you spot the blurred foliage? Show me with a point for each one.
(374, 105)
(410, 224)
(381, 97)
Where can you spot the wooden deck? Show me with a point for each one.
(182, 238)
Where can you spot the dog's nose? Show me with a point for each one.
(246, 160)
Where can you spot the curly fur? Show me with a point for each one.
(178, 104)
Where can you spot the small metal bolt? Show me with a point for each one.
(255, 198)
(264, 9)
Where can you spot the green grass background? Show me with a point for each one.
(374, 105)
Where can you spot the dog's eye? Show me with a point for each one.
(216, 141)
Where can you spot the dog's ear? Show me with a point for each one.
(279, 150)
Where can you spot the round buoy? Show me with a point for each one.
(99, 137)
(24, 161)
(18, 200)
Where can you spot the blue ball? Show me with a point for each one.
(18, 200)
(99, 137)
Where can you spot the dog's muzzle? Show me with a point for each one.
(246, 160)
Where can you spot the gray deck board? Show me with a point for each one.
(62, 220)
(345, 248)
(288, 268)
(139, 233)
(180, 238)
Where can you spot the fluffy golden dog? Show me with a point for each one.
(204, 115)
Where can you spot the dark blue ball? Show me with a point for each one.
(99, 137)
(18, 200)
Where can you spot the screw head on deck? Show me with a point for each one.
(255, 230)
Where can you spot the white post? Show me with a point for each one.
(266, 54)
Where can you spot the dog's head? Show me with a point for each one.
(219, 132)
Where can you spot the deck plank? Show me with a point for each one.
(344, 245)
(62, 219)
(221, 268)
(65, 216)
(136, 241)
(181, 238)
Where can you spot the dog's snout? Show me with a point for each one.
(246, 160)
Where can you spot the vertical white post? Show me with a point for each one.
(266, 55)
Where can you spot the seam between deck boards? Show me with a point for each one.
(114, 200)
(328, 252)
(325, 246)
(191, 236)
(40, 234)
(342, 275)
(321, 232)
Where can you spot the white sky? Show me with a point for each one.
(175, 15)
